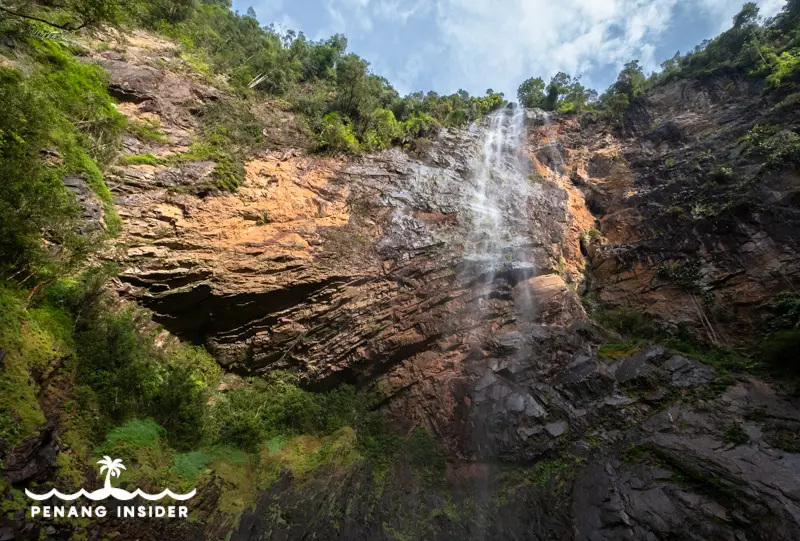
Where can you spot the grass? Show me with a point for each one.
(639, 329)
(541, 474)
(544, 470)
(784, 439)
(79, 91)
(191, 465)
(142, 159)
(136, 433)
(619, 350)
(34, 341)
(147, 130)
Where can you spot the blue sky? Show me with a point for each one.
(444, 45)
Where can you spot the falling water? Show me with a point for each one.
(497, 251)
(499, 202)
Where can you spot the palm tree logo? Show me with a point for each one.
(112, 468)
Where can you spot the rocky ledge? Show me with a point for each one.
(360, 270)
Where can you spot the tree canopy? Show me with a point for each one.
(756, 48)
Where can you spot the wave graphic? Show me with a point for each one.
(116, 493)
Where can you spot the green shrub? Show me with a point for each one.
(33, 199)
(121, 373)
(721, 174)
(618, 350)
(249, 416)
(142, 159)
(784, 71)
(383, 130)
(34, 341)
(337, 136)
(779, 351)
(544, 470)
(785, 308)
(61, 111)
(420, 125)
(779, 147)
(685, 274)
(630, 324)
(189, 466)
(147, 130)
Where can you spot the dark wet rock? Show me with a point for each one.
(32, 460)
(551, 156)
(686, 373)
(365, 271)
(667, 131)
(639, 368)
(556, 429)
(90, 204)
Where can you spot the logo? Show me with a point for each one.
(112, 468)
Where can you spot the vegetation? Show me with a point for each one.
(781, 340)
(777, 146)
(563, 93)
(157, 405)
(62, 112)
(768, 50)
(619, 350)
(125, 392)
(348, 106)
(638, 330)
(735, 435)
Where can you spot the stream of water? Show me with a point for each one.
(497, 240)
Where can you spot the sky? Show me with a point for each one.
(446, 45)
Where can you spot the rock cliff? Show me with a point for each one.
(366, 271)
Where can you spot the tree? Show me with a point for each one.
(577, 97)
(351, 77)
(87, 13)
(531, 92)
(173, 11)
(789, 15)
(747, 16)
(671, 65)
(617, 104)
(321, 57)
(630, 81)
(556, 89)
(383, 130)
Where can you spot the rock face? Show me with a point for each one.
(695, 231)
(671, 477)
(370, 271)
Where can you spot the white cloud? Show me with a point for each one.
(506, 43)
(473, 44)
(724, 10)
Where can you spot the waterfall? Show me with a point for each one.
(498, 204)
(497, 208)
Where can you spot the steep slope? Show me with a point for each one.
(363, 270)
(461, 281)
